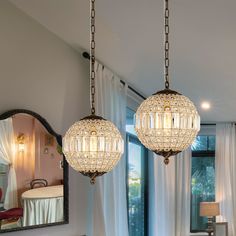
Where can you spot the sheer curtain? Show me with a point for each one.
(169, 196)
(7, 147)
(226, 174)
(110, 206)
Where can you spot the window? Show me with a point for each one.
(136, 181)
(203, 178)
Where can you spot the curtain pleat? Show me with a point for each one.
(225, 174)
(170, 194)
(7, 155)
(110, 205)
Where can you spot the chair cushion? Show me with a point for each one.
(11, 213)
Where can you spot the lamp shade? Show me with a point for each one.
(93, 146)
(209, 209)
(167, 123)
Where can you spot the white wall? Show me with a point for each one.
(40, 72)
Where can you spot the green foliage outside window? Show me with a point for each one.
(136, 181)
(203, 178)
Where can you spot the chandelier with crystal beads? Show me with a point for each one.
(167, 122)
(93, 146)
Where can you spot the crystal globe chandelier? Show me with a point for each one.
(167, 122)
(93, 146)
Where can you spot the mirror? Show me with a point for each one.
(33, 173)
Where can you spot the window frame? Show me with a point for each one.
(130, 138)
(201, 154)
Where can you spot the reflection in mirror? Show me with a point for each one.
(31, 174)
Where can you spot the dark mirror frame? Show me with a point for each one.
(58, 137)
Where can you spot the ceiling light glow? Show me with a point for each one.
(206, 105)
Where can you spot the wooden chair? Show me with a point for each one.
(38, 183)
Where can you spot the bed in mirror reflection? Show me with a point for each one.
(31, 173)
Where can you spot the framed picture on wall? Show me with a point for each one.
(49, 140)
(220, 229)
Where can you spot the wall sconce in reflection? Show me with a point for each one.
(21, 142)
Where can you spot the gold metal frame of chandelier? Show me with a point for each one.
(92, 175)
(93, 117)
(167, 91)
(167, 155)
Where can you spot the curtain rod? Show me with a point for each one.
(210, 124)
(215, 124)
(87, 56)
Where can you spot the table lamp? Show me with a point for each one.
(209, 210)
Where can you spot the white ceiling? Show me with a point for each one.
(129, 41)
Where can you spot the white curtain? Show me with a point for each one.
(226, 174)
(7, 152)
(110, 205)
(169, 195)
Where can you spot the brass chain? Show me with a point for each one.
(92, 55)
(92, 50)
(166, 44)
